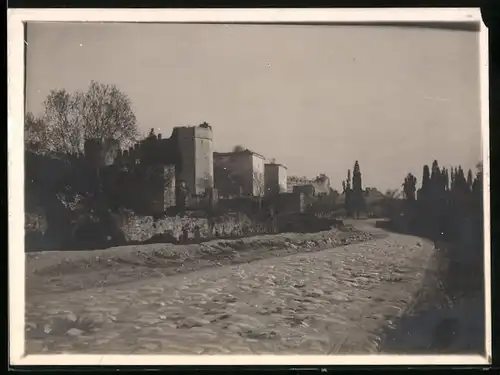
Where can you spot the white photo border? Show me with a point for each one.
(15, 64)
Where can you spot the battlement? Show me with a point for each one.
(203, 131)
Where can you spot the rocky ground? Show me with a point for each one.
(323, 293)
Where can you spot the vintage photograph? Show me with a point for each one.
(238, 188)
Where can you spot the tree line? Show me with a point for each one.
(445, 196)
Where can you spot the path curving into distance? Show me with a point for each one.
(332, 301)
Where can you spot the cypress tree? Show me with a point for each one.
(470, 180)
(409, 187)
(426, 181)
(357, 188)
(435, 179)
(446, 180)
(347, 192)
(461, 180)
(356, 178)
(443, 179)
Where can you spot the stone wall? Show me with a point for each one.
(184, 228)
(258, 187)
(320, 184)
(159, 188)
(290, 203)
(203, 159)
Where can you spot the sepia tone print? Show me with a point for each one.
(253, 189)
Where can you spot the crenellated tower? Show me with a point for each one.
(195, 147)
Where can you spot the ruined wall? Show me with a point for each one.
(283, 179)
(173, 229)
(293, 181)
(290, 203)
(258, 163)
(321, 183)
(159, 188)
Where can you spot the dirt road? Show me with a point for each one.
(324, 302)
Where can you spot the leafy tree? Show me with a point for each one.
(470, 180)
(460, 180)
(35, 134)
(409, 187)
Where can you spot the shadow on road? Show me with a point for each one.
(448, 315)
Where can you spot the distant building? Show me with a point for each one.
(239, 173)
(275, 178)
(322, 185)
(317, 186)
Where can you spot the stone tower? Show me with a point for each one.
(196, 154)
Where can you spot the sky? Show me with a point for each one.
(315, 98)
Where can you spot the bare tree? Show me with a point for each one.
(60, 126)
(35, 134)
(107, 113)
(71, 118)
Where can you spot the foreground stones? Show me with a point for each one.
(310, 302)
